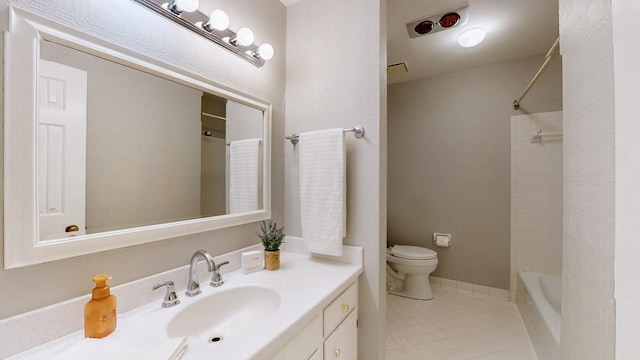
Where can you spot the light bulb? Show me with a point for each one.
(185, 5)
(218, 20)
(265, 51)
(244, 37)
(471, 37)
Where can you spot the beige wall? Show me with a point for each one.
(588, 305)
(335, 63)
(449, 163)
(128, 24)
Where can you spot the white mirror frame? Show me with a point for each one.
(21, 231)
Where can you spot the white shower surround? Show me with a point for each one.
(540, 303)
(536, 196)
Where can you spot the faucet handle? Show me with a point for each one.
(170, 297)
(216, 280)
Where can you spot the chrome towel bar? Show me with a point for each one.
(358, 132)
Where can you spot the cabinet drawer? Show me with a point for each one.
(343, 343)
(305, 345)
(342, 306)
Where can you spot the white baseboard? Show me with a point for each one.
(471, 289)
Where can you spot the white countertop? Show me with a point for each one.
(305, 284)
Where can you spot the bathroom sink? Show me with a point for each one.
(224, 314)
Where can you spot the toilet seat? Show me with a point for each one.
(413, 252)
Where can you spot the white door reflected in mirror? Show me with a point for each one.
(62, 130)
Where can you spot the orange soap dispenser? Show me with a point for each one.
(100, 311)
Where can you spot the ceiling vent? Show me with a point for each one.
(397, 68)
(438, 22)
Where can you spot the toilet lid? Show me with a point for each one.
(413, 252)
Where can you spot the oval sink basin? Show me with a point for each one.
(222, 314)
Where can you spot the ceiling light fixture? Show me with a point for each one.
(215, 28)
(438, 22)
(471, 37)
(424, 27)
(449, 19)
(446, 21)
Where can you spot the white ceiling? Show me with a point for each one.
(515, 29)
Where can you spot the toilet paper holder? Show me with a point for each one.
(442, 239)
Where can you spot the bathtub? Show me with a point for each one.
(540, 303)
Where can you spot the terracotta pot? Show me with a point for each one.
(272, 260)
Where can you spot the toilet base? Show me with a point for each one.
(416, 286)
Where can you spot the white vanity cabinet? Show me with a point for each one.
(311, 316)
(343, 342)
(340, 326)
(306, 345)
(333, 334)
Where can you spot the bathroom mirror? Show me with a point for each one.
(105, 148)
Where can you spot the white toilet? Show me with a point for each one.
(412, 264)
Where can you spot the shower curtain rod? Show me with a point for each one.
(550, 55)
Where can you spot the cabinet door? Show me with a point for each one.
(343, 343)
(316, 355)
(305, 345)
(340, 308)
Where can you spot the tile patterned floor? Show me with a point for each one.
(455, 326)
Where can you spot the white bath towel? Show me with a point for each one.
(245, 175)
(323, 190)
(112, 348)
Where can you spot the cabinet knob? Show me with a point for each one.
(345, 307)
(336, 352)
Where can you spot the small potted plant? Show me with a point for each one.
(271, 238)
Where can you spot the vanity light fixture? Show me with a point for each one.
(215, 27)
(178, 6)
(218, 20)
(244, 37)
(265, 51)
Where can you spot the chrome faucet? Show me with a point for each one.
(216, 280)
(193, 287)
(170, 298)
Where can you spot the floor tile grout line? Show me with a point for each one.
(455, 325)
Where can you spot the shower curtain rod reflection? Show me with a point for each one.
(555, 48)
(536, 138)
(209, 133)
(358, 132)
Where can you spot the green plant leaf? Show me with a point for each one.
(271, 235)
